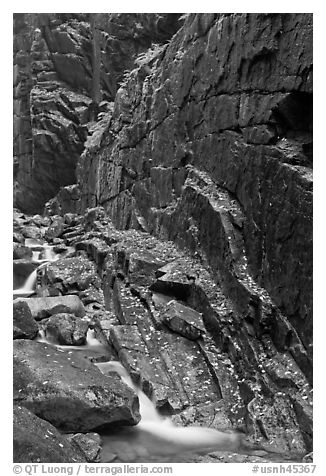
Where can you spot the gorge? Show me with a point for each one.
(163, 231)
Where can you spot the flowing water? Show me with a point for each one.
(36, 255)
(156, 438)
(93, 349)
(28, 287)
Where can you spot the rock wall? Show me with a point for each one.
(53, 90)
(210, 145)
(204, 163)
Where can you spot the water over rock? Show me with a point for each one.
(22, 269)
(69, 391)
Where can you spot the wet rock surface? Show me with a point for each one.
(67, 329)
(36, 440)
(186, 243)
(69, 392)
(90, 445)
(53, 92)
(161, 313)
(196, 163)
(43, 307)
(24, 326)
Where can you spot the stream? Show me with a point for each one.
(155, 438)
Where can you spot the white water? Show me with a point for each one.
(160, 435)
(36, 255)
(48, 253)
(154, 437)
(147, 408)
(92, 349)
(29, 286)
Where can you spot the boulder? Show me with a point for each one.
(67, 329)
(92, 215)
(32, 231)
(71, 219)
(37, 441)
(183, 320)
(56, 228)
(39, 221)
(22, 252)
(42, 307)
(69, 391)
(90, 445)
(18, 237)
(71, 274)
(24, 326)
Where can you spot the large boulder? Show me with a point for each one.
(24, 326)
(71, 274)
(56, 228)
(32, 231)
(21, 251)
(37, 441)
(69, 392)
(43, 307)
(67, 329)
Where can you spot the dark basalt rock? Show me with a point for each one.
(22, 252)
(24, 326)
(53, 91)
(71, 274)
(89, 444)
(43, 307)
(242, 139)
(208, 144)
(37, 441)
(56, 229)
(183, 320)
(69, 392)
(67, 329)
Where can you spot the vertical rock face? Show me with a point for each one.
(53, 89)
(210, 145)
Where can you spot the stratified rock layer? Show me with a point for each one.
(211, 147)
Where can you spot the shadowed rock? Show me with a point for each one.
(183, 320)
(67, 329)
(24, 326)
(89, 444)
(69, 392)
(37, 441)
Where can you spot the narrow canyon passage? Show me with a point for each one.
(162, 237)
